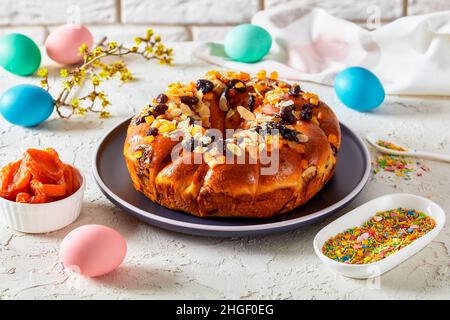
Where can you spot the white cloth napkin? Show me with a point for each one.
(410, 55)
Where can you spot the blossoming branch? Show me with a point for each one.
(97, 70)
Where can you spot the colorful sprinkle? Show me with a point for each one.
(400, 166)
(390, 145)
(384, 234)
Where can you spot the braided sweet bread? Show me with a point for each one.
(283, 152)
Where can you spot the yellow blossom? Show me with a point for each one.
(125, 76)
(83, 49)
(101, 95)
(104, 114)
(75, 103)
(82, 72)
(149, 49)
(98, 51)
(77, 80)
(112, 45)
(64, 73)
(67, 85)
(80, 111)
(99, 70)
(104, 74)
(149, 34)
(42, 72)
(95, 81)
(105, 103)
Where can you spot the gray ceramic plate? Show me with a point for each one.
(110, 172)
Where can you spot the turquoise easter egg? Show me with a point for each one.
(26, 105)
(247, 43)
(359, 89)
(19, 54)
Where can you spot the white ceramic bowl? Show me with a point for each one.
(42, 217)
(358, 216)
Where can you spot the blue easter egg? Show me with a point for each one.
(247, 43)
(26, 105)
(359, 89)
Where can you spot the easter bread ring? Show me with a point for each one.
(292, 128)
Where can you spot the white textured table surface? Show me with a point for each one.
(162, 264)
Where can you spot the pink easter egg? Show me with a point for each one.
(93, 250)
(64, 42)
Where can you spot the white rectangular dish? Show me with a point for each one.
(363, 213)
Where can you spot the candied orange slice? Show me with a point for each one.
(68, 177)
(7, 175)
(14, 179)
(40, 198)
(50, 190)
(76, 183)
(44, 165)
(22, 177)
(72, 181)
(23, 197)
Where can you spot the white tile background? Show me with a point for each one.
(179, 20)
